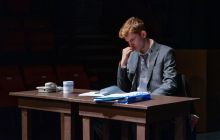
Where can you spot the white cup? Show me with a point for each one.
(68, 86)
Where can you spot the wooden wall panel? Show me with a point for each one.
(213, 92)
(193, 63)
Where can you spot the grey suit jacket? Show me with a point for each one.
(161, 74)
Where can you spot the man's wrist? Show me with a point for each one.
(123, 66)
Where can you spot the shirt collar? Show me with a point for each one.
(149, 50)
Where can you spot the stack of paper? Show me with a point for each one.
(103, 92)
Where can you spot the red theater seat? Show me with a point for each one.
(75, 73)
(38, 75)
(10, 80)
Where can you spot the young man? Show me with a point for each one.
(145, 64)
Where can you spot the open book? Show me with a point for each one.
(104, 92)
(115, 94)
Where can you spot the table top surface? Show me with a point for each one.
(156, 100)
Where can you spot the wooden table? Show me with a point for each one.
(70, 106)
(141, 113)
(53, 102)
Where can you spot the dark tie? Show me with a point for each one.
(144, 57)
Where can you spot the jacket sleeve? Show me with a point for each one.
(169, 83)
(122, 79)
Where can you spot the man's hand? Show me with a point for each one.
(125, 55)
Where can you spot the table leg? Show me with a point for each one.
(141, 129)
(65, 126)
(24, 125)
(86, 128)
(180, 128)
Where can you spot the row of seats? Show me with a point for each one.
(14, 78)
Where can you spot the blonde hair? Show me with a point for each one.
(132, 25)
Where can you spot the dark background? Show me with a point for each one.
(85, 33)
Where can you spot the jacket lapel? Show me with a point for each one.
(152, 59)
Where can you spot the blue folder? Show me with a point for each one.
(124, 98)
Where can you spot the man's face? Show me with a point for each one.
(136, 41)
